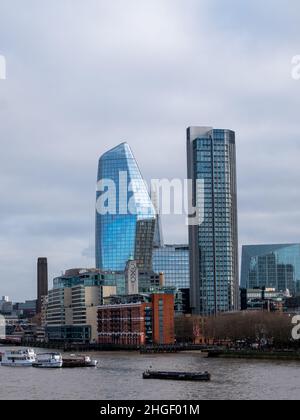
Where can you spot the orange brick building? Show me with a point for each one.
(147, 321)
(163, 319)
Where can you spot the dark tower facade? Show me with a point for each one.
(42, 281)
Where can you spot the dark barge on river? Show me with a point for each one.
(178, 376)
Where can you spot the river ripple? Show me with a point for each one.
(119, 376)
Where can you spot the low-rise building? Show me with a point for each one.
(72, 306)
(137, 320)
(26, 309)
(292, 305)
(263, 299)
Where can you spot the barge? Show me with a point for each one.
(79, 362)
(178, 376)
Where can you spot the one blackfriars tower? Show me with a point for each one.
(214, 240)
(125, 216)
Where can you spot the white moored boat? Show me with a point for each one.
(48, 361)
(18, 358)
(90, 362)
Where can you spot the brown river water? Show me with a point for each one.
(119, 377)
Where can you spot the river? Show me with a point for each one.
(119, 376)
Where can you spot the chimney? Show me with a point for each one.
(42, 281)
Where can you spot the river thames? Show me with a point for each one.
(119, 377)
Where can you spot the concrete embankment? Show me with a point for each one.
(256, 355)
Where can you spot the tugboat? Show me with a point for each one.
(178, 376)
(79, 362)
(49, 361)
(18, 358)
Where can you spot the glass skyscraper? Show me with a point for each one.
(271, 266)
(125, 223)
(173, 261)
(213, 241)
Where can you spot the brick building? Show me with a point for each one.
(137, 320)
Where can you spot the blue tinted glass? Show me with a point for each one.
(173, 261)
(271, 266)
(117, 234)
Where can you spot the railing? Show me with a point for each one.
(85, 347)
(176, 348)
(79, 347)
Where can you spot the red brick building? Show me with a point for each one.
(148, 321)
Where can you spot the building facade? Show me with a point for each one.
(137, 320)
(6, 306)
(91, 277)
(213, 239)
(158, 233)
(125, 215)
(26, 309)
(173, 261)
(72, 306)
(75, 309)
(128, 324)
(263, 300)
(271, 266)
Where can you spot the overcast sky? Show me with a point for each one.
(85, 75)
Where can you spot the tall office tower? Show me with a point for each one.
(42, 282)
(125, 217)
(214, 239)
(271, 266)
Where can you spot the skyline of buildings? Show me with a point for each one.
(213, 243)
(140, 285)
(211, 158)
(208, 266)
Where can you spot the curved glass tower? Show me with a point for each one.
(125, 226)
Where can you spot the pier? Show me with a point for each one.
(76, 347)
(255, 355)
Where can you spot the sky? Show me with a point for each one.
(84, 76)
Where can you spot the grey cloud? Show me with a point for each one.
(84, 76)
